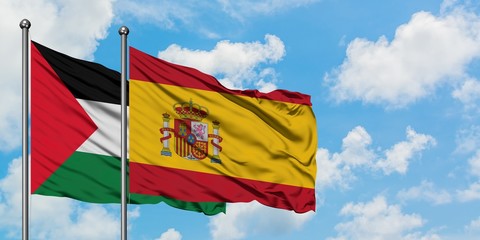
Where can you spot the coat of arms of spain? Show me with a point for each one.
(191, 133)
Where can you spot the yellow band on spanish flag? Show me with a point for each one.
(204, 137)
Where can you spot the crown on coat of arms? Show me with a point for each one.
(190, 110)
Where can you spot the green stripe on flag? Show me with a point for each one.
(96, 178)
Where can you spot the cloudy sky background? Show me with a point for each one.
(395, 88)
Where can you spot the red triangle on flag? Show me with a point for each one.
(59, 124)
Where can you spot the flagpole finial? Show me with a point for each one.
(123, 30)
(25, 24)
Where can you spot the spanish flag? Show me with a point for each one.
(194, 140)
(75, 129)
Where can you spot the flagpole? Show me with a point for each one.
(123, 31)
(25, 26)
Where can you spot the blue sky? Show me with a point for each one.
(395, 89)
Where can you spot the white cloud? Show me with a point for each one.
(11, 196)
(411, 66)
(52, 217)
(331, 171)
(170, 234)
(134, 213)
(470, 194)
(425, 191)
(378, 220)
(468, 140)
(473, 226)
(471, 231)
(355, 150)
(337, 168)
(398, 157)
(66, 219)
(73, 27)
(468, 94)
(69, 26)
(236, 64)
(448, 5)
(244, 219)
(474, 163)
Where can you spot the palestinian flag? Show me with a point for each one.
(75, 132)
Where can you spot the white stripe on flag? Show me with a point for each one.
(106, 140)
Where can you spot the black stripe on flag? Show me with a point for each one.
(85, 80)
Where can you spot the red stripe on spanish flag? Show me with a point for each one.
(216, 143)
(157, 180)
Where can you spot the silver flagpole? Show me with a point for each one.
(25, 26)
(123, 31)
